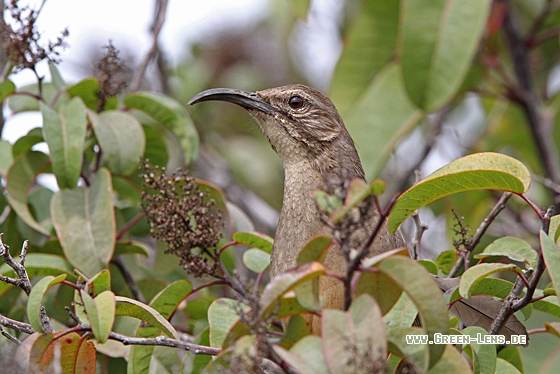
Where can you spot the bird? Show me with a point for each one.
(305, 129)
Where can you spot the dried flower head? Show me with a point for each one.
(461, 231)
(111, 73)
(181, 215)
(21, 38)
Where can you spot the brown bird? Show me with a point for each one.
(306, 131)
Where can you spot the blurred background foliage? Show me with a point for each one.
(407, 110)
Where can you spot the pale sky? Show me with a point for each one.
(127, 23)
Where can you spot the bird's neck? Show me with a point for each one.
(301, 218)
(300, 215)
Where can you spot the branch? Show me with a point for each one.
(539, 21)
(154, 49)
(16, 325)
(127, 226)
(513, 302)
(162, 341)
(129, 279)
(500, 205)
(22, 281)
(354, 264)
(526, 96)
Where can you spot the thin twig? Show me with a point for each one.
(539, 20)
(45, 321)
(127, 226)
(500, 205)
(354, 264)
(513, 302)
(16, 325)
(129, 279)
(154, 49)
(164, 342)
(10, 337)
(22, 281)
(530, 102)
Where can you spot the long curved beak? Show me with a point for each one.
(247, 100)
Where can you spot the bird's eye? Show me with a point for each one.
(295, 102)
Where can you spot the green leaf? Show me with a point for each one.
(256, 260)
(130, 247)
(172, 115)
(6, 88)
(358, 191)
(222, 315)
(551, 254)
(6, 158)
(25, 143)
(56, 78)
(87, 90)
(65, 136)
(297, 329)
(36, 299)
(451, 362)
(360, 328)
(380, 118)
(133, 308)
(475, 274)
(490, 171)
(155, 152)
(24, 103)
(511, 355)
(446, 260)
(21, 177)
(439, 40)
(290, 306)
(553, 328)
(315, 249)
(553, 229)
(513, 248)
(214, 193)
(306, 356)
(255, 240)
(286, 281)
(140, 356)
(546, 306)
(504, 367)
(121, 139)
(397, 344)
(168, 299)
(307, 294)
(484, 355)
(402, 314)
(496, 287)
(101, 313)
(417, 283)
(326, 202)
(430, 266)
(381, 287)
(85, 223)
(369, 45)
(99, 283)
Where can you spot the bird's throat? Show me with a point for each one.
(300, 215)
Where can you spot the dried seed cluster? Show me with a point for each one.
(182, 216)
(21, 38)
(111, 73)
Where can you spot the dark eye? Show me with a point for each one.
(295, 102)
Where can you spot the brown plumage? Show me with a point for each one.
(306, 131)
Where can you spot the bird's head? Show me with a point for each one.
(300, 123)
